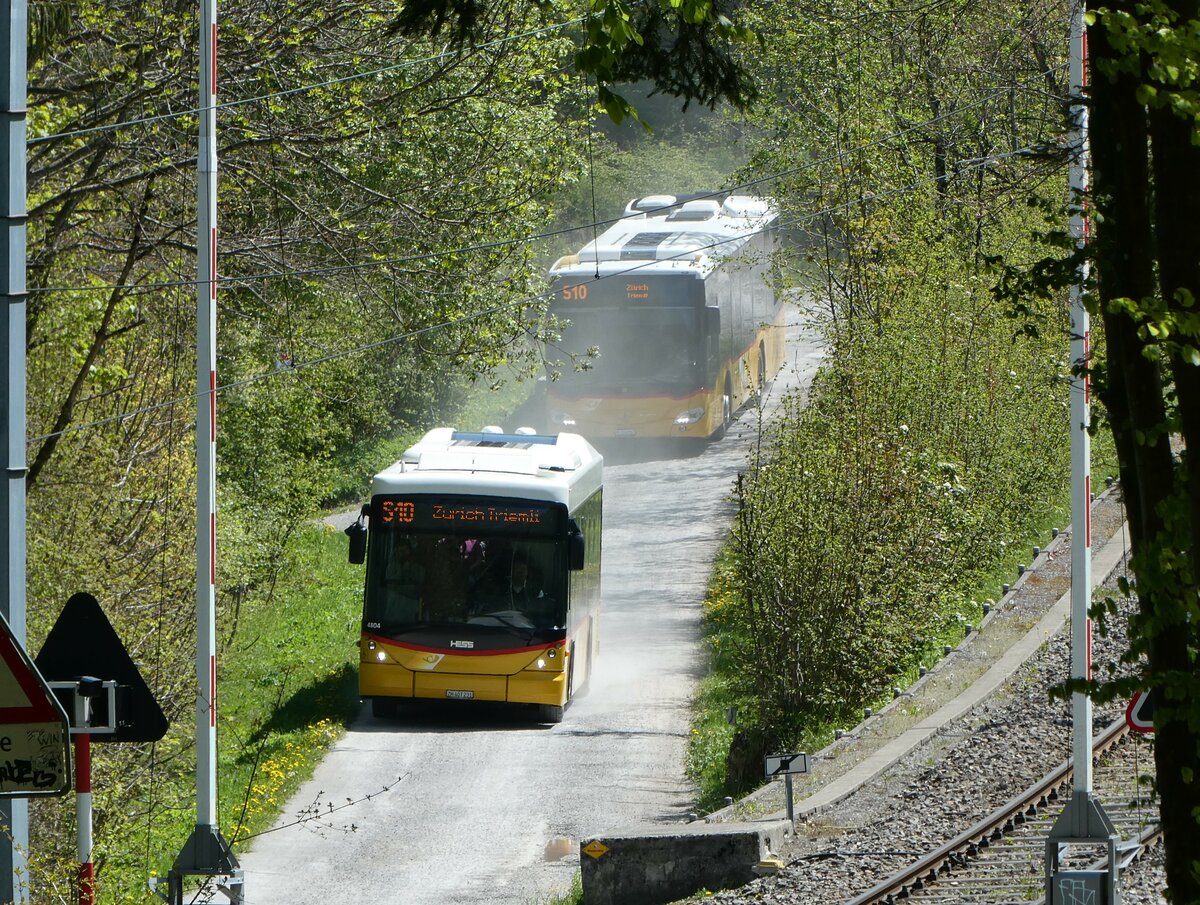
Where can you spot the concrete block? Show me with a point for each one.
(654, 865)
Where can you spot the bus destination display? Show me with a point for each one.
(428, 513)
(579, 291)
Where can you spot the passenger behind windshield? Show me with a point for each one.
(444, 595)
(404, 579)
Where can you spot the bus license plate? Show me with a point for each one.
(459, 695)
(625, 432)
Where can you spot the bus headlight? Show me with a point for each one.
(691, 416)
(541, 663)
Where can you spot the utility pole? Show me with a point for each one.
(14, 812)
(206, 853)
(1083, 821)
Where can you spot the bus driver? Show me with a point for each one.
(526, 597)
(520, 593)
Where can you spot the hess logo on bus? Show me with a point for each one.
(398, 511)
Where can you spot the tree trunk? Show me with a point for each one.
(1133, 389)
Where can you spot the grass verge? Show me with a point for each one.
(290, 686)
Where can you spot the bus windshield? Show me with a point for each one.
(652, 349)
(486, 572)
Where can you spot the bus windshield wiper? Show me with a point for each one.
(513, 626)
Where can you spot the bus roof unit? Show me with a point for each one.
(672, 233)
(562, 468)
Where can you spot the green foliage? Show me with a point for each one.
(683, 46)
(934, 440)
(375, 277)
(572, 896)
(288, 687)
(1159, 45)
(1145, 127)
(712, 731)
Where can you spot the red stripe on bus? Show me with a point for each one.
(730, 364)
(464, 652)
(699, 391)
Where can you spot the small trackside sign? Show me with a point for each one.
(1139, 715)
(595, 849)
(783, 764)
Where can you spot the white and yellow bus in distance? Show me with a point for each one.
(482, 556)
(678, 296)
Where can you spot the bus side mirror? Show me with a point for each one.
(712, 320)
(576, 548)
(357, 532)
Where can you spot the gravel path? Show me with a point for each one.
(968, 768)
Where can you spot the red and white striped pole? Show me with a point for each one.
(206, 853)
(83, 817)
(206, 426)
(1081, 416)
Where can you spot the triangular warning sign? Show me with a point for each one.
(1139, 715)
(84, 643)
(24, 695)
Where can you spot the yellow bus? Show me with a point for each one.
(482, 554)
(678, 297)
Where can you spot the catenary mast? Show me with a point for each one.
(14, 812)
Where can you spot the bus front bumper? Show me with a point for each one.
(625, 417)
(529, 686)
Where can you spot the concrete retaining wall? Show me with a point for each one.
(651, 866)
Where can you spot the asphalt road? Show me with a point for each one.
(489, 807)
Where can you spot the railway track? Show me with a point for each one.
(1001, 859)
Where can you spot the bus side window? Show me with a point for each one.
(576, 547)
(712, 333)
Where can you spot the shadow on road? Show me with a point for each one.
(633, 452)
(451, 717)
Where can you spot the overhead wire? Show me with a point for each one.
(302, 89)
(548, 234)
(168, 484)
